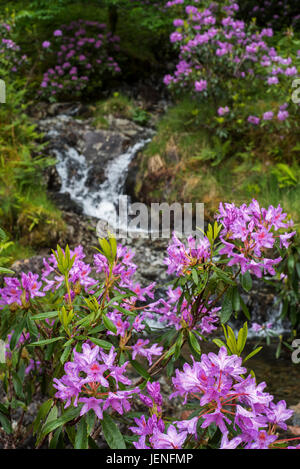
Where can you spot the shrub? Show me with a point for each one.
(83, 52)
(230, 66)
(99, 325)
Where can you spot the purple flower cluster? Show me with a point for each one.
(246, 415)
(93, 379)
(10, 53)
(181, 259)
(13, 290)
(83, 52)
(249, 232)
(226, 397)
(153, 432)
(79, 274)
(167, 311)
(123, 272)
(273, 12)
(216, 48)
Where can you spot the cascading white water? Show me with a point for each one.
(74, 169)
(97, 203)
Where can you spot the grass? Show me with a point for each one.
(195, 166)
(30, 220)
(119, 106)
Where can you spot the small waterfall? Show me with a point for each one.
(74, 169)
(97, 203)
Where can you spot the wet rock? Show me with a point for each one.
(64, 202)
(52, 179)
(102, 145)
(33, 264)
(296, 416)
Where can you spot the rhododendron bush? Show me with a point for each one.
(79, 333)
(84, 57)
(11, 58)
(233, 67)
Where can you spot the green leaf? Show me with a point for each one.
(102, 343)
(41, 415)
(16, 335)
(5, 423)
(70, 414)
(81, 439)
(231, 341)
(112, 433)
(254, 352)
(64, 356)
(3, 270)
(246, 281)
(226, 310)
(33, 330)
(178, 345)
(236, 303)
(109, 324)
(45, 342)
(140, 369)
(278, 350)
(194, 343)
(195, 276)
(242, 337)
(55, 438)
(245, 309)
(18, 385)
(224, 276)
(219, 343)
(41, 316)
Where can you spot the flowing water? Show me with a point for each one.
(96, 203)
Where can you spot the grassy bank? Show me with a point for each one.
(186, 162)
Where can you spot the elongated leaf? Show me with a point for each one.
(140, 369)
(224, 276)
(178, 345)
(231, 341)
(33, 330)
(70, 414)
(42, 413)
(81, 439)
(102, 343)
(109, 324)
(45, 342)
(236, 303)
(227, 309)
(41, 316)
(254, 352)
(18, 385)
(64, 356)
(246, 281)
(16, 335)
(194, 343)
(54, 440)
(195, 276)
(242, 337)
(5, 423)
(245, 309)
(219, 343)
(3, 270)
(112, 433)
